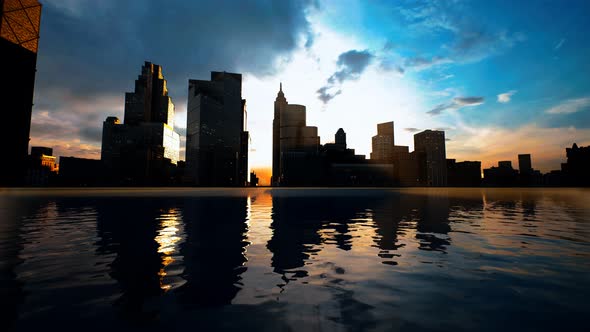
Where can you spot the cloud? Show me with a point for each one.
(412, 130)
(570, 106)
(559, 44)
(98, 47)
(469, 41)
(505, 97)
(351, 65)
(456, 103)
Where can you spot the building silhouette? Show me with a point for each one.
(19, 38)
(432, 144)
(502, 176)
(576, 170)
(383, 143)
(142, 149)
(525, 164)
(296, 159)
(217, 140)
(463, 174)
(80, 172)
(42, 168)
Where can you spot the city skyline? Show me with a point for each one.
(469, 76)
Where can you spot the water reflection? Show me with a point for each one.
(332, 259)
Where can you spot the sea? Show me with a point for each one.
(294, 259)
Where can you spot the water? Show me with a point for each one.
(294, 259)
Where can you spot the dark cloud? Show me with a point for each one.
(456, 103)
(94, 48)
(92, 133)
(351, 65)
(412, 130)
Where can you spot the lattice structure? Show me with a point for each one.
(20, 22)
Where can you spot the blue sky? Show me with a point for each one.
(500, 77)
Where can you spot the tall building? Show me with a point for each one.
(19, 39)
(217, 140)
(296, 156)
(383, 143)
(577, 168)
(340, 138)
(432, 143)
(524, 164)
(140, 149)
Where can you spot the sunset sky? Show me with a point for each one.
(500, 77)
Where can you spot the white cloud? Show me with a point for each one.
(505, 97)
(570, 106)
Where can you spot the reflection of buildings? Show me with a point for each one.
(214, 253)
(19, 38)
(130, 234)
(295, 145)
(144, 148)
(217, 140)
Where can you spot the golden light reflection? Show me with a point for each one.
(169, 238)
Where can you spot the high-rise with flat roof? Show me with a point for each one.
(432, 144)
(383, 143)
(19, 38)
(524, 164)
(217, 139)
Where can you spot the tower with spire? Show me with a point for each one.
(280, 106)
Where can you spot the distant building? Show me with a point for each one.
(217, 140)
(42, 168)
(410, 169)
(142, 149)
(296, 146)
(525, 164)
(432, 144)
(20, 22)
(383, 143)
(463, 174)
(502, 176)
(80, 172)
(253, 179)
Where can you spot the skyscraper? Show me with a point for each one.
(295, 145)
(525, 164)
(139, 149)
(19, 38)
(383, 143)
(432, 144)
(217, 140)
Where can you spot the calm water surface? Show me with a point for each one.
(294, 259)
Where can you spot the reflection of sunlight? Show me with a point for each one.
(169, 237)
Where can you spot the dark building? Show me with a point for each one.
(296, 154)
(143, 149)
(432, 143)
(502, 176)
(525, 164)
(383, 143)
(253, 179)
(80, 172)
(576, 170)
(42, 167)
(19, 38)
(463, 174)
(217, 140)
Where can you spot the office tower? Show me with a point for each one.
(141, 149)
(432, 143)
(576, 169)
(524, 164)
(217, 140)
(19, 38)
(279, 106)
(383, 143)
(295, 145)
